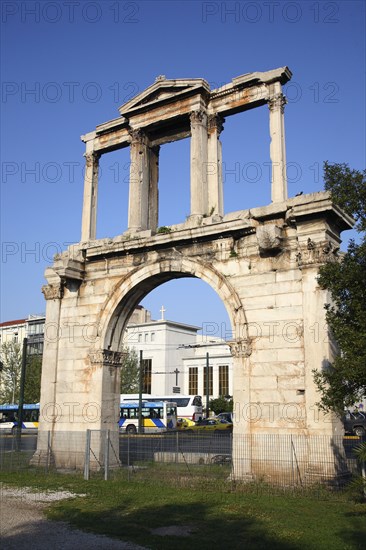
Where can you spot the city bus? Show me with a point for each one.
(188, 406)
(157, 416)
(9, 418)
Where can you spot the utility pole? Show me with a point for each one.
(207, 367)
(21, 392)
(141, 428)
(207, 385)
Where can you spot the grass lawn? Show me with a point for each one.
(209, 511)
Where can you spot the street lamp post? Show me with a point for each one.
(140, 394)
(207, 385)
(21, 392)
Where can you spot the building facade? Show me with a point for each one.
(174, 354)
(174, 358)
(31, 328)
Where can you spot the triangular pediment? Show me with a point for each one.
(163, 90)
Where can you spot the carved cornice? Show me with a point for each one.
(106, 357)
(240, 348)
(312, 253)
(216, 122)
(277, 101)
(53, 292)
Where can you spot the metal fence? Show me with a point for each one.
(284, 460)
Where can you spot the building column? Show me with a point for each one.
(214, 166)
(241, 350)
(153, 188)
(53, 293)
(138, 203)
(89, 217)
(276, 105)
(199, 185)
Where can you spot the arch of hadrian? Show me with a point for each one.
(262, 262)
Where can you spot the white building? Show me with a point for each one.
(31, 328)
(215, 354)
(175, 358)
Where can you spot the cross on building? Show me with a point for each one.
(176, 371)
(162, 311)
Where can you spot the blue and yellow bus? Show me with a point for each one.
(188, 406)
(9, 418)
(157, 416)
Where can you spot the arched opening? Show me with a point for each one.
(130, 291)
(194, 359)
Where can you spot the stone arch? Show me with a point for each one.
(130, 290)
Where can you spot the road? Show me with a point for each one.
(143, 447)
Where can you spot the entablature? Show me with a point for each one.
(163, 110)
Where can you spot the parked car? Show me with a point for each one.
(211, 425)
(354, 423)
(228, 416)
(184, 423)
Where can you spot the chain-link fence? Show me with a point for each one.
(284, 460)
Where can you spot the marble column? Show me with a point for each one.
(241, 351)
(53, 293)
(89, 217)
(138, 203)
(153, 188)
(214, 166)
(276, 106)
(199, 185)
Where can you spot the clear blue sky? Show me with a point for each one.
(68, 66)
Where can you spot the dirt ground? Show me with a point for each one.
(23, 525)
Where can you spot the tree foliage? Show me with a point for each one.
(11, 358)
(32, 389)
(348, 190)
(130, 371)
(344, 382)
(221, 404)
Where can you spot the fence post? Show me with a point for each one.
(128, 457)
(48, 460)
(292, 463)
(87, 455)
(176, 446)
(106, 456)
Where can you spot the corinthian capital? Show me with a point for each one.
(240, 348)
(216, 122)
(277, 101)
(53, 292)
(107, 357)
(138, 136)
(198, 117)
(91, 159)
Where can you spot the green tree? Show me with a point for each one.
(32, 389)
(343, 383)
(221, 404)
(130, 372)
(348, 190)
(11, 358)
